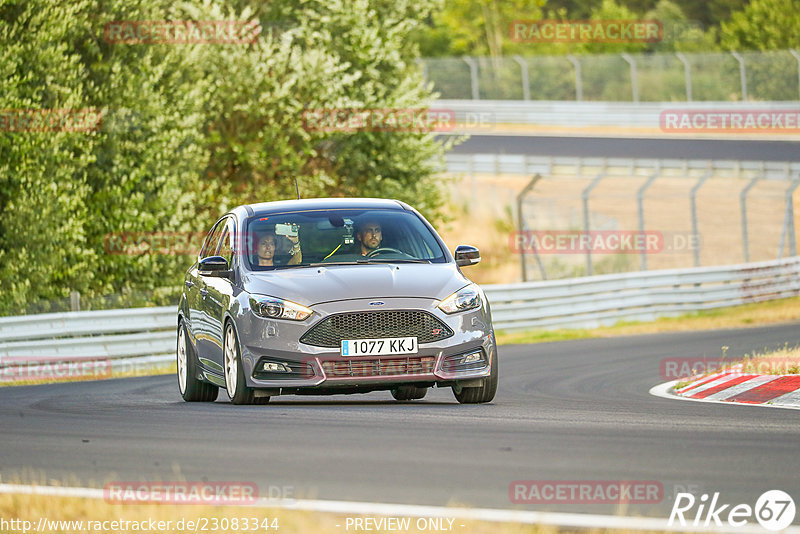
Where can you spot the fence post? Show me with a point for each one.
(75, 301)
(578, 80)
(585, 197)
(742, 74)
(526, 89)
(693, 200)
(687, 74)
(473, 75)
(634, 80)
(640, 201)
(521, 226)
(797, 57)
(788, 222)
(743, 207)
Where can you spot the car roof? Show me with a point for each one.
(309, 204)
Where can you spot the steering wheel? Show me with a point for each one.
(384, 249)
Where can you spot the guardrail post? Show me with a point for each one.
(788, 222)
(473, 75)
(640, 201)
(797, 57)
(521, 228)
(687, 75)
(743, 207)
(693, 200)
(578, 80)
(742, 74)
(634, 79)
(526, 89)
(585, 197)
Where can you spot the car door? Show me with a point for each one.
(219, 292)
(198, 292)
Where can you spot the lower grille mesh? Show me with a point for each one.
(380, 324)
(379, 367)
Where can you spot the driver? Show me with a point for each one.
(369, 235)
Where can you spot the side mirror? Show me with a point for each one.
(214, 266)
(467, 255)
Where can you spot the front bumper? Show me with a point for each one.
(269, 340)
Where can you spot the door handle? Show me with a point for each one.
(204, 292)
(188, 283)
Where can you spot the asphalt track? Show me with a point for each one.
(619, 147)
(577, 410)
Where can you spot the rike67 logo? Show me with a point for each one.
(774, 510)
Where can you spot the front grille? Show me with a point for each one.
(412, 365)
(379, 324)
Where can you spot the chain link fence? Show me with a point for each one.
(656, 77)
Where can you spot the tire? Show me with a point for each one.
(407, 393)
(484, 393)
(190, 387)
(235, 383)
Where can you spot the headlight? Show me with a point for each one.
(275, 308)
(467, 298)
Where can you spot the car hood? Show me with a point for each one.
(315, 285)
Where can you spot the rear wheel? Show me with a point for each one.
(235, 383)
(191, 388)
(406, 393)
(483, 393)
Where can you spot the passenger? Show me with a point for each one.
(267, 244)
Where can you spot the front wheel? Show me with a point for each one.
(191, 388)
(483, 393)
(235, 384)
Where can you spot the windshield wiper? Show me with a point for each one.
(326, 263)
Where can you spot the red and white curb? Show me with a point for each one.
(735, 386)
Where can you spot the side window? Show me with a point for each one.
(225, 245)
(212, 240)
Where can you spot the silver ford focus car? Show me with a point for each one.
(332, 296)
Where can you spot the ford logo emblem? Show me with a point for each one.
(377, 303)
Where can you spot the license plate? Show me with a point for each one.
(379, 347)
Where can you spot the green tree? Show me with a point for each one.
(190, 131)
(763, 25)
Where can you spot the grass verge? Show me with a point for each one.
(82, 515)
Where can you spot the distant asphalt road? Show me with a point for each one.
(614, 147)
(577, 410)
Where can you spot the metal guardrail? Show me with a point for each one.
(579, 166)
(103, 334)
(641, 296)
(577, 302)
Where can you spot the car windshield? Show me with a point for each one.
(338, 236)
